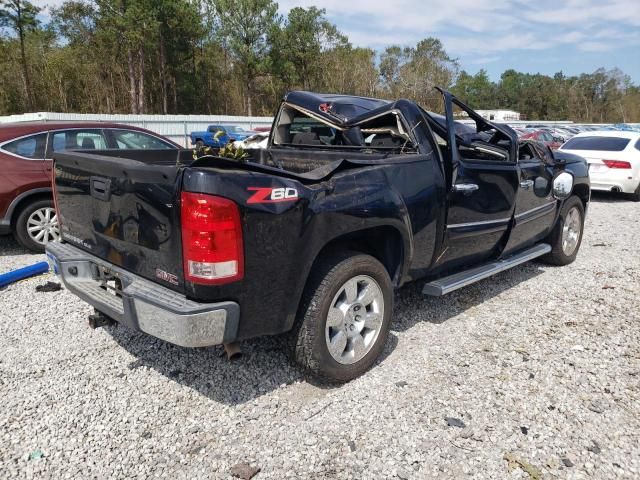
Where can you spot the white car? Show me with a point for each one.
(256, 141)
(613, 157)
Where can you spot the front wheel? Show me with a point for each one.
(344, 319)
(566, 236)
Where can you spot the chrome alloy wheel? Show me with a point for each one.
(354, 320)
(571, 231)
(42, 226)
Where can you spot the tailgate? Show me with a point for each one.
(123, 210)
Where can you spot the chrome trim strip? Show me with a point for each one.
(498, 221)
(536, 209)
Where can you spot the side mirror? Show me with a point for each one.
(541, 187)
(562, 185)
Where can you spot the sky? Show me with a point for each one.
(541, 36)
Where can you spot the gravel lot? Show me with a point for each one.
(537, 369)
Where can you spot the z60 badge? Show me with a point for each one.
(272, 195)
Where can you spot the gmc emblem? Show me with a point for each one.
(167, 277)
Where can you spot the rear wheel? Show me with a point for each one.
(37, 225)
(566, 237)
(344, 317)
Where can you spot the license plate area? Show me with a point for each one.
(107, 279)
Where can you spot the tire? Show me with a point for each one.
(635, 196)
(39, 212)
(310, 338)
(560, 255)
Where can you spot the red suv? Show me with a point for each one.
(26, 204)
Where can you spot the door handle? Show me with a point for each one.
(100, 188)
(526, 184)
(465, 188)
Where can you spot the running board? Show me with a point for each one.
(445, 285)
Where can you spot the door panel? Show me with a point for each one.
(535, 206)
(478, 219)
(21, 164)
(483, 176)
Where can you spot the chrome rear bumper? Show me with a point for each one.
(142, 304)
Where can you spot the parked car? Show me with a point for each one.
(522, 131)
(545, 137)
(257, 140)
(613, 157)
(353, 197)
(218, 136)
(26, 150)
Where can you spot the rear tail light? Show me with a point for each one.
(211, 239)
(616, 164)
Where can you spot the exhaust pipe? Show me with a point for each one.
(616, 189)
(233, 351)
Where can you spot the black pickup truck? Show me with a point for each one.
(353, 197)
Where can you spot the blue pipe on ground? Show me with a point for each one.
(22, 273)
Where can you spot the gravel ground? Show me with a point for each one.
(537, 370)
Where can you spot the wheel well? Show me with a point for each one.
(25, 201)
(582, 192)
(383, 243)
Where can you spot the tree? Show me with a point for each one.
(298, 47)
(478, 91)
(413, 72)
(132, 23)
(75, 21)
(20, 16)
(245, 24)
(237, 56)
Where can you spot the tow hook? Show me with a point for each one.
(99, 319)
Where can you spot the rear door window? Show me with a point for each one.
(606, 144)
(31, 147)
(78, 139)
(134, 140)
